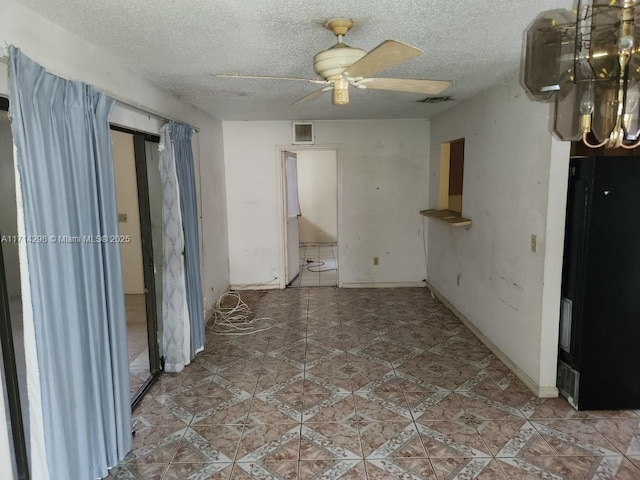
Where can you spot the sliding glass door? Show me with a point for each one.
(12, 367)
(139, 199)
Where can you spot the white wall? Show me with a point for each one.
(383, 179)
(318, 193)
(124, 165)
(66, 54)
(515, 180)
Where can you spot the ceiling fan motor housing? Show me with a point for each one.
(333, 61)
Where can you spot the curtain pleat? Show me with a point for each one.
(175, 311)
(65, 165)
(181, 137)
(183, 313)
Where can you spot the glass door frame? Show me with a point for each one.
(10, 367)
(156, 364)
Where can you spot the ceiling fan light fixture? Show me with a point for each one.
(335, 60)
(340, 92)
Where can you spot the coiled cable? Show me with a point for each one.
(232, 316)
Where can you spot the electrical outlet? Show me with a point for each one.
(534, 243)
(376, 261)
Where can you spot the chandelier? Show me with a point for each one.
(589, 60)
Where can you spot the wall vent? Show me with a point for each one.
(568, 382)
(303, 133)
(435, 100)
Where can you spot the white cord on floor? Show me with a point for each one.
(235, 320)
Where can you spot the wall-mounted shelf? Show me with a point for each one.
(449, 217)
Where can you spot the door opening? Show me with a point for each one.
(139, 201)
(12, 349)
(312, 237)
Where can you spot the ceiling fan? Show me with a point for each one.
(342, 65)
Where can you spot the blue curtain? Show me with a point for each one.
(64, 158)
(180, 136)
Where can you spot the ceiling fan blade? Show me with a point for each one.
(266, 77)
(312, 96)
(385, 55)
(431, 87)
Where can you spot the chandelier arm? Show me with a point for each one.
(586, 142)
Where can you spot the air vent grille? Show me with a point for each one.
(568, 382)
(435, 100)
(303, 133)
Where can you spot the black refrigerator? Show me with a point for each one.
(599, 347)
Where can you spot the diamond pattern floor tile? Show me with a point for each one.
(570, 468)
(477, 468)
(198, 471)
(508, 438)
(399, 468)
(209, 444)
(283, 446)
(142, 471)
(258, 436)
(365, 384)
(375, 434)
(154, 445)
(445, 439)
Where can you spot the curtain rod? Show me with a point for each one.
(125, 103)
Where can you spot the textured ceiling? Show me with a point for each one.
(178, 44)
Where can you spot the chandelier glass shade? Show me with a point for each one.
(588, 61)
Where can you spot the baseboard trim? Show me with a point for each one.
(384, 285)
(548, 392)
(541, 392)
(255, 286)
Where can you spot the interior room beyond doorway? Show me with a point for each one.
(318, 265)
(318, 222)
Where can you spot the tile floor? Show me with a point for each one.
(322, 271)
(365, 384)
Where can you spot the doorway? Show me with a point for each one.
(312, 250)
(12, 348)
(139, 203)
